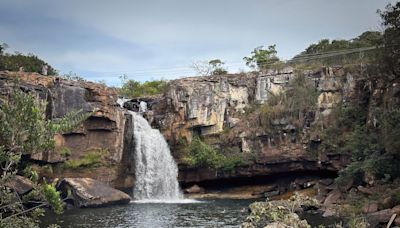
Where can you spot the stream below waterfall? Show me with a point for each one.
(210, 213)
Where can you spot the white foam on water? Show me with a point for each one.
(182, 201)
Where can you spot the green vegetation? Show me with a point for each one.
(24, 130)
(367, 130)
(391, 39)
(263, 59)
(200, 154)
(29, 63)
(217, 67)
(294, 103)
(281, 213)
(73, 77)
(91, 158)
(134, 89)
(340, 52)
(207, 68)
(366, 39)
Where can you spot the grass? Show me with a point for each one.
(92, 158)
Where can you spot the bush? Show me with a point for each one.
(201, 154)
(133, 89)
(24, 130)
(30, 63)
(91, 158)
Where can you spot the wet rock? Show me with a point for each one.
(20, 184)
(309, 184)
(87, 192)
(194, 189)
(332, 197)
(271, 194)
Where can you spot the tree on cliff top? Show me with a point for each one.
(391, 38)
(262, 59)
(17, 61)
(134, 89)
(25, 130)
(207, 68)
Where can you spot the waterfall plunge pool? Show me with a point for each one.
(210, 213)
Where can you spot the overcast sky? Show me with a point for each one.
(151, 39)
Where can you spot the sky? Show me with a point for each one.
(101, 40)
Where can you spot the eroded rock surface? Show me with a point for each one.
(102, 131)
(87, 192)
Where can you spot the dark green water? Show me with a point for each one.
(210, 213)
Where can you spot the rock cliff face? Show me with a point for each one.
(203, 105)
(219, 107)
(103, 130)
(213, 106)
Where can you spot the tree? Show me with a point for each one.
(29, 62)
(133, 89)
(25, 130)
(262, 58)
(391, 37)
(207, 68)
(3, 47)
(217, 67)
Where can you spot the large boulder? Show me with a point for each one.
(20, 184)
(87, 192)
(333, 197)
(383, 216)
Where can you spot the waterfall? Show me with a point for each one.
(142, 107)
(156, 172)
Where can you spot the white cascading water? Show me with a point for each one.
(155, 169)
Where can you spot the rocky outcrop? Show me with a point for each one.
(222, 108)
(20, 184)
(279, 213)
(102, 131)
(87, 192)
(207, 106)
(202, 105)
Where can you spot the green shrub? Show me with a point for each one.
(133, 89)
(201, 154)
(65, 151)
(91, 158)
(24, 130)
(30, 63)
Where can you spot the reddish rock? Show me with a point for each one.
(20, 184)
(382, 216)
(370, 207)
(333, 197)
(364, 190)
(87, 192)
(194, 189)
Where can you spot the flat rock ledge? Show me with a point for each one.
(87, 192)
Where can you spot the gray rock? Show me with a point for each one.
(20, 184)
(87, 192)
